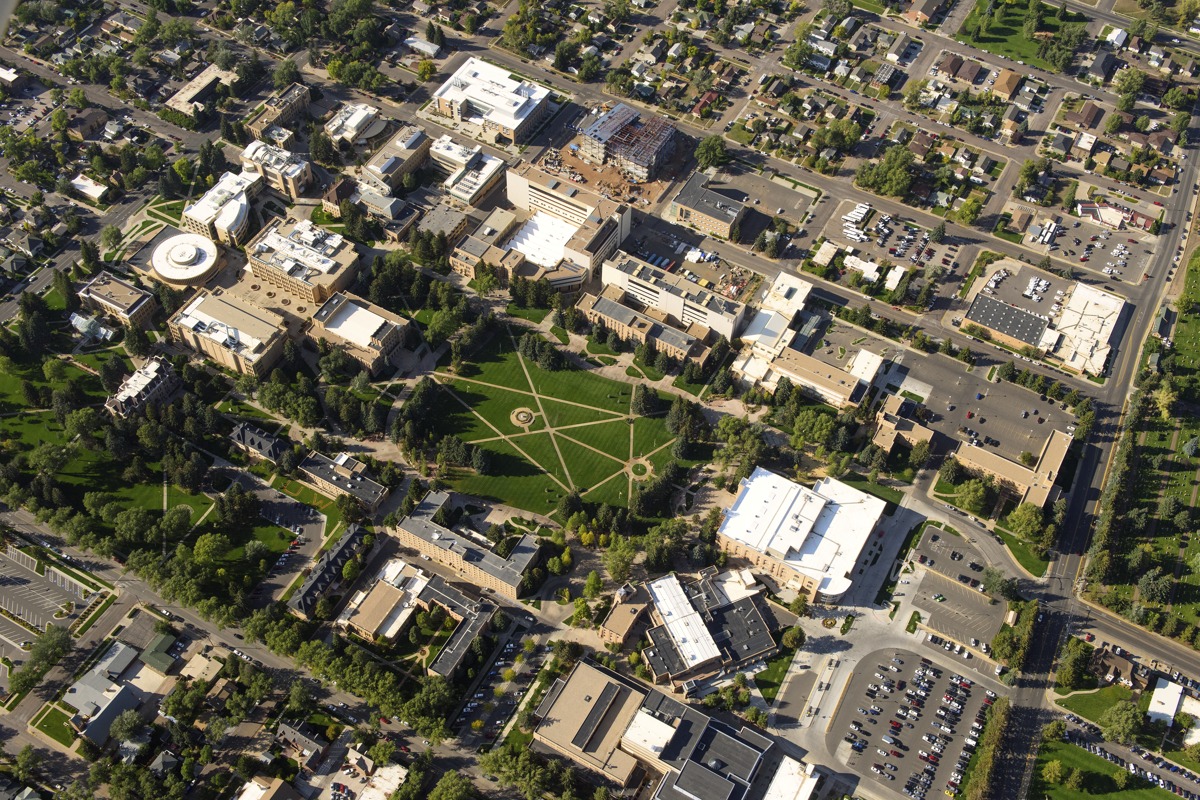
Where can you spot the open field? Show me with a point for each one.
(1090, 705)
(582, 435)
(1097, 777)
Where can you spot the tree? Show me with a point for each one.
(969, 211)
(793, 638)
(127, 725)
(938, 234)
(973, 495)
(618, 559)
(1026, 521)
(300, 700)
(1112, 124)
(594, 585)
(110, 237)
(285, 74)
(1054, 772)
(919, 455)
(382, 751)
(26, 763)
(453, 786)
(426, 70)
(710, 152)
(1164, 398)
(1121, 722)
(1075, 780)
(211, 547)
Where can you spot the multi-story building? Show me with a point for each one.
(1037, 484)
(607, 309)
(223, 213)
(673, 295)
(405, 153)
(706, 210)
(491, 97)
(280, 109)
(150, 383)
(638, 147)
(232, 331)
(354, 123)
(373, 336)
(816, 541)
(257, 442)
(471, 173)
(477, 563)
(108, 294)
(484, 247)
(195, 93)
(283, 171)
(327, 572)
(343, 474)
(302, 259)
(594, 226)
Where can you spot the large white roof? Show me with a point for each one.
(543, 239)
(1086, 326)
(226, 202)
(818, 532)
(356, 324)
(493, 93)
(188, 258)
(684, 625)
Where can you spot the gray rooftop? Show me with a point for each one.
(357, 486)
(696, 195)
(1017, 323)
(659, 331)
(611, 123)
(327, 571)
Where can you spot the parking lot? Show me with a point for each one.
(896, 240)
(1090, 246)
(484, 714)
(909, 724)
(31, 597)
(963, 614)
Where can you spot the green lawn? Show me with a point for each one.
(614, 491)
(534, 315)
(1005, 35)
(610, 437)
(1031, 561)
(588, 468)
(862, 484)
(1090, 705)
(771, 679)
(55, 723)
(298, 491)
(1097, 774)
(560, 334)
(513, 480)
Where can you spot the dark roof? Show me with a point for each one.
(303, 736)
(476, 616)
(969, 71)
(327, 571)
(358, 486)
(696, 195)
(1009, 320)
(156, 656)
(1102, 65)
(258, 440)
(741, 631)
(342, 189)
(164, 762)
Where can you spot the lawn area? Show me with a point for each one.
(579, 410)
(770, 679)
(1005, 35)
(248, 413)
(298, 491)
(199, 503)
(1090, 705)
(1031, 561)
(862, 484)
(534, 315)
(55, 723)
(560, 334)
(740, 134)
(97, 358)
(690, 388)
(1097, 777)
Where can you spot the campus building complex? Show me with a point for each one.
(815, 541)
(108, 294)
(341, 475)
(706, 210)
(476, 562)
(233, 332)
(150, 383)
(373, 336)
(491, 97)
(682, 301)
(194, 94)
(222, 214)
(638, 147)
(404, 153)
(306, 261)
(471, 174)
(279, 111)
(284, 172)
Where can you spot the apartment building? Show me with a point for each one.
(673, 295)
(706, 210)
(494, 99)
(475, 561)
(373, 336)
(404, 153)
(343, 474)
(306, 261)
(232, 331)
(151, 383)
(283, 171)
(108, 294)
(279, 110)
(194, 94)
(222, 214)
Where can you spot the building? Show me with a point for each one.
(630, 604)
(1088, 116)
(373, 336)
(706, 210)
(222, 214)
(327, 572)
(894, 422)
(354, 123)
(638, 147)
(494, 99)
(87, 123)
(471, 174)
(476, 562)
(343, 474)
(1165, 702)
(1085, 328)
(257, 442)
(108, 294)
(151, 383)
(404, 153)
(261, 787)
(191, 99)
(1102, 66)
(484, 246)
(1008, 324)
(340, 191)
(283, 171)
(568, 223)
(1031, 484)
(637, 737)
(280, 110)
(684, 302)
(1007, 84)
(921, 12)
(700, 631)
(830, 384)
(609, 310)
(303, 742)
(157, 654)
(443, 218)
(815, 541)
(307, 262)
(100, 695)
(12, 80)
(232, 331)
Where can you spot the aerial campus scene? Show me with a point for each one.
(646, 399)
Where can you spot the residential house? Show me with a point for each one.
(304, 742)
(1102, 66)
(1087, 116)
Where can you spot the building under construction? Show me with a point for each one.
(638, 147)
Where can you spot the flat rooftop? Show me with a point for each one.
(673, 284)
(696, 195)
(344, 472)
(1009, 320)
(302, 250)
(231, 322)
(493, 93)
(113, 291)
(357, 321)
(684, 624)
(226, 202)
(274, 159)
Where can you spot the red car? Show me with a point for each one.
(404, 748)
(896, 754)
(1083, 258)
(1132, 241)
